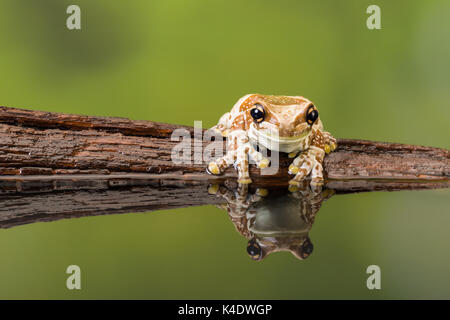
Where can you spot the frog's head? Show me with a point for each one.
(259, 247)
(279, 123)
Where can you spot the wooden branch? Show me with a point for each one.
(43, 143)
(93, 165)
(39, 200)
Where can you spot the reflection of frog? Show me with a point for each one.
(279, 123)
(279, 222)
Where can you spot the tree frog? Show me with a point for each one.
(288, 124)
(273, 221)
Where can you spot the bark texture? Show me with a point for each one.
(92, 165)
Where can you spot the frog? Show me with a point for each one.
(286, 124)
(273, 220)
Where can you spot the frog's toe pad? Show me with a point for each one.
(264, 163)
(333, 146)
(293, 169)
(330, 147)
(262, 192)
(213, 168)
(213, 189)
(244, 181)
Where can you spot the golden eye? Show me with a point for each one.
(311, 114)
(258, 113)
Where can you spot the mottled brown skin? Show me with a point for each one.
(288, 124)
(243, 209)
(276, 114)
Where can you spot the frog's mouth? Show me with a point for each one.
(273, 141)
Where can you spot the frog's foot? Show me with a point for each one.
(219, 165)
(242, 164)
(330, 142)
(239, 199)
(312, 198)
(308, 163)
(304, 187)
(331, 146)
(305, 190)
(261, 192)
(239, 158)
(257, 157)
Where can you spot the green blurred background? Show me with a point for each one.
(180, 61)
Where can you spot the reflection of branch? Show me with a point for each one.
(95, 198)
(47, 200)
(48, 161)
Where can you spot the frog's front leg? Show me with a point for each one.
(309, 162)
(239, 150)
(238, 200)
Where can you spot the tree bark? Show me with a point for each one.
(92, 165)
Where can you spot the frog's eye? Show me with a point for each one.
(254, 250)
(258, 114)
(311, 114)
(307, 248)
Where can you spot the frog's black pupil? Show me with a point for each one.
(312, 115)
(253, 250)
(257, 114)
(308, 247)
